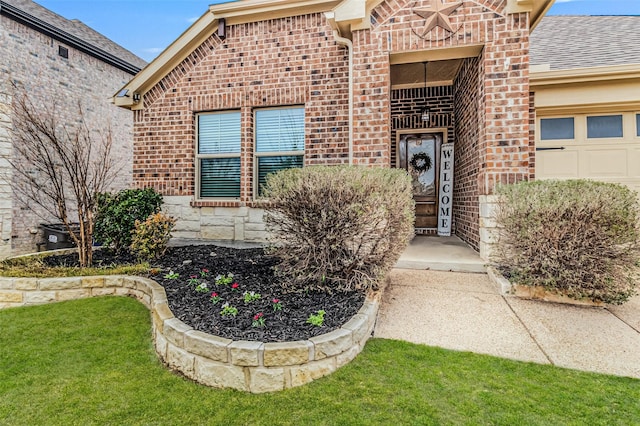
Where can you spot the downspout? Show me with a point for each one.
(349, 45)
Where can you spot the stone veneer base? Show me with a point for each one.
(250, 366)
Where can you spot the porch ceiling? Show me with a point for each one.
(439, 73)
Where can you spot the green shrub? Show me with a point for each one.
(338, 228)
(117, 214)
(151, 237)
(575, 237)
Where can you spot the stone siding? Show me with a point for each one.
(31, 59)
(215, 223)
(488, 226)
(6, 199)
(250, 366)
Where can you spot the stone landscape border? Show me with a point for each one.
(250, 366)
(534, 292)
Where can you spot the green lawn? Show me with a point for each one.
(92, 362)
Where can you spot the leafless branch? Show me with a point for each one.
(60, 166)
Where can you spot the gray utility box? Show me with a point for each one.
(57, 236)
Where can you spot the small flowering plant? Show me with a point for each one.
(251, 296)
(172, 275)
(228, 310)
(258, 320)
(193, 280)
(202, 287)
(276, 304)
(224, 279)
(203, 273)
(215, 298)
(235, 286)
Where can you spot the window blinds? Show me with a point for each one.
(280, 130)
(219, 133)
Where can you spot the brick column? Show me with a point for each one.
(504, 140)
(372, 101)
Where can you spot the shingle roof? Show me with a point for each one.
(76, 29)
(567, 42)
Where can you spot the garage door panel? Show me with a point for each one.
(634, 162)
(604, 163)
(557, 164)
(608, 159)
(635, 186)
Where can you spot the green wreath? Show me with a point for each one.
(421, 162)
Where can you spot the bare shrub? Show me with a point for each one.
(338, 228)
(575, 237)
(59, 167)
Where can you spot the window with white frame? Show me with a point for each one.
(279, 139)
(637, 124)
(218, 155)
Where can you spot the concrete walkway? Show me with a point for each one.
(440, 254)
(466, 312)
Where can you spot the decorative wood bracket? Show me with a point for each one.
(351, 15)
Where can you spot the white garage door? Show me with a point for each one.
(603, 147)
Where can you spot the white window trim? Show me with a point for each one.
(198, 157)
(300, 153)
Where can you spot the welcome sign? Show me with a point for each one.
(445, 194)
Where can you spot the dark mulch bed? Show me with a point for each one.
(252, 270)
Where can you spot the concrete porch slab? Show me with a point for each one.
(440, 254)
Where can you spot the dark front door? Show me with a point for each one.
(419, 154)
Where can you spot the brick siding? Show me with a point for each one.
(504, 70)
(372, 104)
(504, 147)
(466, 167)
(295, 61)
(289, 61)
(406, 108)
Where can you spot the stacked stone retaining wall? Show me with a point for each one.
(210, 360)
